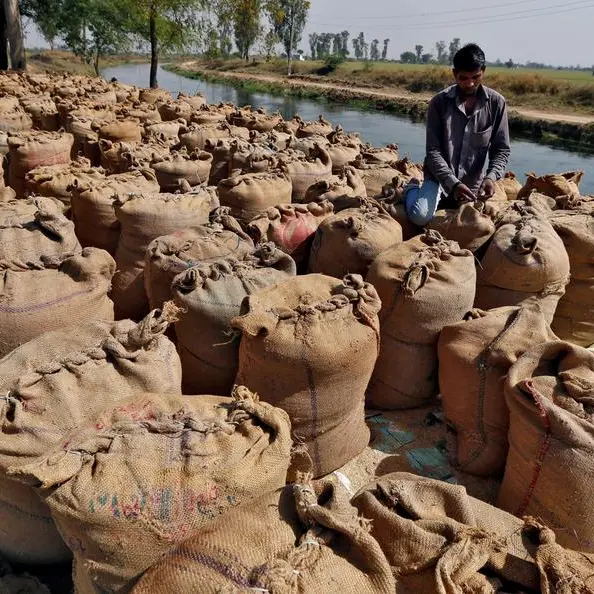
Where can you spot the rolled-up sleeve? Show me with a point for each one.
(499, 151)
(437, 165)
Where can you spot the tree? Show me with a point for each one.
(345, 43)
(223, 12)
(408, 58)
(426, 58)
(419, 52)
(357, 48)
(246, 22)
(46, 14)
(270, 41)
(454, 47)
(164, 24)
(12, 32)
(510, 63)
(385, 50)
(374, 51)
(337, 45)
(440, 47)
(313, 43)
(288, 18)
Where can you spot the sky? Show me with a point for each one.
(548, 31)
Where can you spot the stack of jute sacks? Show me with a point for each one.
(200, 301)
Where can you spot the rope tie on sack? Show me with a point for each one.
(45, 263)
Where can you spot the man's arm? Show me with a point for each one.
(499, 150)
(435, 162)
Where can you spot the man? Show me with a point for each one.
(466, 123)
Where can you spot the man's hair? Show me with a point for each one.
(470, 58)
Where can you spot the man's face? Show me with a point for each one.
(469, 82)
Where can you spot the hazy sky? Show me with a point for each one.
(549, 31)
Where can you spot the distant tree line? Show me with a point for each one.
(326, 45)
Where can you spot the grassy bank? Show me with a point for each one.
(67, 63)
(564, 135)
(547, 89)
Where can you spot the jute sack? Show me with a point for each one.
(386, 154)
(181, 165)
(553, 185)
(57, 292)
(302, 538)
(438, 539)
(474, 358)
(211, 295)
(468, 225)
(250, 158)
(143, 218)
(574, 317)
(52, 384)
(55, 180)
(344, 191)
(206, 454)
(424, 284)
(349, 241)
(29, 150)
(129, 131)
(153, 96)
(173, 110)
(510, 185)
(304, 173)
(221, 157)
(392, 200)
(167, 132)
(549, 468)
(195, 136)
(343, 153)
(143, 113)
(309, 345)
(375, 176)
(93, 210)
(15, 120)
(120, 157)
(319, 127)
(170, 255)
(524, 259)
(250, 194)
(31, 229)
(291, 227)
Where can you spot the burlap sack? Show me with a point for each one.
(343, 152)
(211, 295)
(143, 218)
(250, 158)
(349, 241)
(438, 539)
(510, 185)
(33, 229)
(28, 150)
(303, 538)
(344, 191)
(167, 132)
(525, 259)
(549, 469)
(121, 510)
(52, 384)
(143, 113)
(15, 120)
(195, 136)
(250, 194)
(57, 292)
(300, 148)
(170, 255)
(181, 165)
(553, 185)
(221, 158)
(425, 284)
(305, 173)
(291, 227)
(319, 127)
(469, 226)
(209, 115)
(121, 131)
(309, 345)
(93, 210)
(120, 157)
(153, 96)
(262, 122)
(474, 358)
(173, 110)
(574, 317)
(392, 200)
(386, 154)
(375, 176)
(55, 181)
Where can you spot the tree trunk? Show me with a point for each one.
(3, 39)
(96, 63)
(14, 32)
(290, 52)
(154, 49)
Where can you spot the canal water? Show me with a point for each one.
(374, 126)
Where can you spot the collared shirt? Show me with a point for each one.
(458, 144)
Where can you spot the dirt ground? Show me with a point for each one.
(387, 93)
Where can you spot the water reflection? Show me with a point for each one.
(374, 126)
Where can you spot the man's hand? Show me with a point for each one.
(487, 189)
(462, 193)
